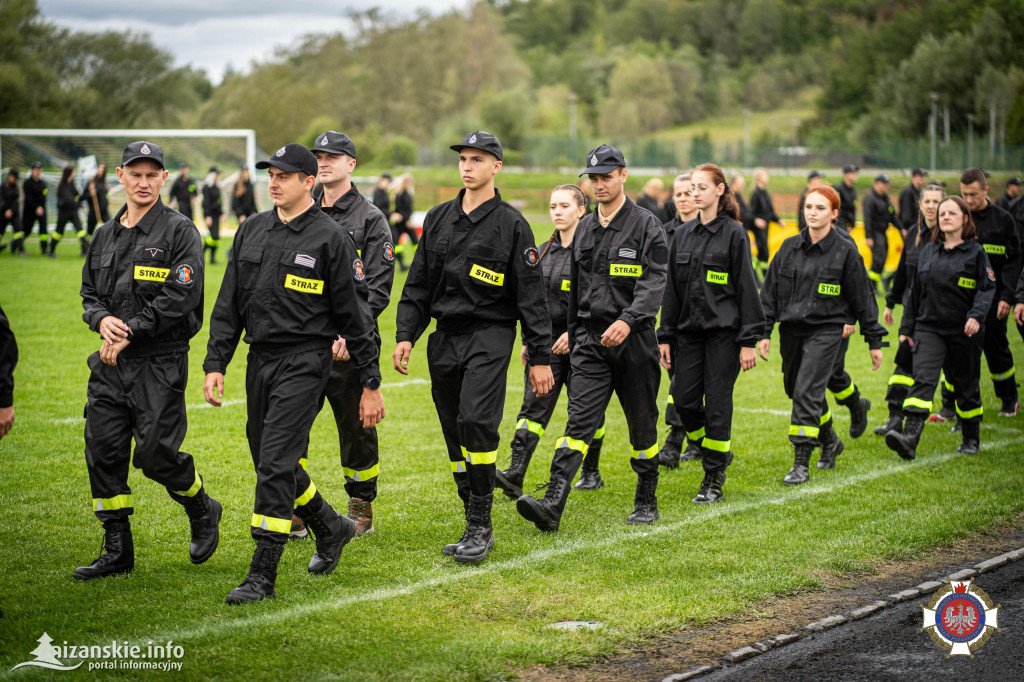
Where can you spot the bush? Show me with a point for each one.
(400, 151)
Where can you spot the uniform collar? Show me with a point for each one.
(826, 242)
(714, 225)
(148, 220)
(343, 203)
(300, 221)
(962, 246)
(481, 211)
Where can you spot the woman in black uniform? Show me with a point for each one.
(243, 196)
(917, 236)
(400, 219)
(944, 322)
(815, 284)
(568, 205)
(711, 321)
(212, 211)
(67, 208)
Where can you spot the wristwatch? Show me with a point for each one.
(373, 383)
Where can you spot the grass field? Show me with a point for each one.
(396, 609)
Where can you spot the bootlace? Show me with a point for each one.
(357, 508)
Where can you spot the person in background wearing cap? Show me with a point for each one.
(762, 210)
(183, 191)
(814, 180)
(10, 197)
(293, 283)
(476, 273)
(35, 191)
(878, 215)
(97, 206)
(142, 291)
(381, 198)
(213, 209)
(847, 198)
(243, 196)
(910, 201)
(1012, 192)
(619, 269)
(340, 199)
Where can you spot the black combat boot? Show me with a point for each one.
(831, 447)
(462, 483)
(332, 531)
(53, 248)
(645, 502)
(259, 584)
(590, 474)
(546, 513)
(669, 454)
(119, 556)
(905, 444)
(213, 255)
(801, 459)
(691, 452)
(859, 417)
(479, 535)
(204, 514)
(511, 480)
(710, 488)
(895, 422)
(971, 432)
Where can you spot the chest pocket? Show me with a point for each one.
(487, 266)
(716, 271)
(248, 265)
(300, 274)
(624, 262)
(828, 284)
(967, 276)
(102, 267)
(151, 267)
(359, 237)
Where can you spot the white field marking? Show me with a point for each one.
(778, 413)
(569, 546)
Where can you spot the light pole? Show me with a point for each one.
(970, 140)
(931, 124)
(573, 99)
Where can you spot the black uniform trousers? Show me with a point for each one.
(282, 402)
(212, 241)
(671, 413)
(91, 221)
(879, 252)
(807, 364)
(761, 242)
(902, 377)
(632, 371)
(468, 373)
(840, 383)
(997, 356)
(358, 446)
(706, 367)
(62, 222)
(13, 221)
(28, 220)
(536, 412)
(960, 355)
(141, 398)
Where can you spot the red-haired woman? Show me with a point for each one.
(711, 321)
(814, 285)
(944, 321)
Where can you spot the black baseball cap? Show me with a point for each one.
(919, 171)
(13, 171)
(291, 158)
(1014, 181)
(481, 140)
(386, 175)
(882, 177)
(813, 174)
(603, 159)
(214, 169)
(138, 151)
(333, 142)
(37, 164)
(850, 168)
(182, 165)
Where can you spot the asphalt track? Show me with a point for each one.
(891, 646)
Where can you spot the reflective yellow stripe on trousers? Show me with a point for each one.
(364, 475)
(532, 427)
(112, 503)
(271, 524)
(480, 457)
(573, 444)
(649, 453)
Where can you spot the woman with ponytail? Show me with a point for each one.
(568, 205)
(711, 321)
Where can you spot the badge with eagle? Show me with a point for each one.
(960, 618)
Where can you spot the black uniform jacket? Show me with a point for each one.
(183, 189)
(9, 197)
(67, 198)
(997, 233)
(403, 206)
(801, 221)
(381, 200)
(907, 267)
(761, 206)
(878, 213)
(100, 189)
(35, 193)
(557, 269)
(950, 286)
(476, 270)
(1019, 297)
(910, 207)
(244, 203)
(149, 276)
(211, 201)
(711, 286)
(618, 272)
(292, 288)
(809, 285)
(847, 205)
(8, 361)
(369, 229)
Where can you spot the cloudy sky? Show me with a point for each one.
(211, 34)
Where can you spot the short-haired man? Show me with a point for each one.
(381, 198)
(847, 198)
(618, 276)
(183, 191)
(878, 215)
(910, 200)
(1010, 195)
(142, 290)
(476, 273)
(292, 284)
(35, 191)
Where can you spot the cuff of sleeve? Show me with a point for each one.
(874, 343)
(135, 325)
(6, 399)
(539, 356)
(370, 372)
(628, 319)
(212, 366)
(403, 336)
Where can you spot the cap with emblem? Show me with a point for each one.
(37, 164)
(141, 150)
(882, 177)
(480, 140)
(332, 142)
(1014, 181)
(850, 168)
(291, 158)
(813, 174)
(182, 165)
(919, 171)
(603, 159)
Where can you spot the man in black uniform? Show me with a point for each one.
(96, 204)
(183, 191)
(142, 290)
(10, 197)
(381, 199)
(476, 273)
(847, 198)
(910, 200)
(1012, 192)
(340, 199)
(35, 191)
(878, 214)
(293, 283)
(618, 278)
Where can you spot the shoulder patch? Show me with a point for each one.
(531, 257)
(184, 275)
(991, 274)
(357, 270)
(388, 252)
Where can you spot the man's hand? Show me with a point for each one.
(665, 353)
(522, 355)
(561, 346)
(39, 211)
(213, 388)
(870, 242)
(113, 330)
(972, 327)
(876, 359)
(6, 420)
(110, 351)
(760, 223)
(371, 407)
(340, 349)
(763, 346)
(887, 317)
(541, 380)
(8, 213)
(209, 221)
(241, 219)
(907, 338)
(748, 359)
(1018, 314)
(400, 358)
(1003, 310)
(615, 334)
(849, 330)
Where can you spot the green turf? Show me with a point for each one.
(395, 608)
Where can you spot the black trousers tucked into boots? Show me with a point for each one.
(807, 364)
